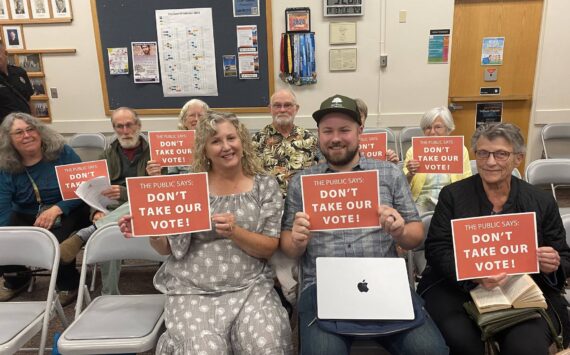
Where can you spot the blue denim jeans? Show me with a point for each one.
(425, 339)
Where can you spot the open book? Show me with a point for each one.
(520, 291)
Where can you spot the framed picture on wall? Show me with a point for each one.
(39, 86)
(3, 10)
(298, 19)
(40, 109)
(40, 8)
(31, 63)
(19, 9)
(61, 8)
(13, 37)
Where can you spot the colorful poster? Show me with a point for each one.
(145, 62)
(438, 46)
(373, 145)
(70, 176)
(248, 65)
(492, 51)
(488, 112)
(490, 245)
(171, 148)
(118, 59)
(438, 155)
(341, 200)
(230, 65)
(169, 204)
(187, 53)
(247, 38)
(246, 8)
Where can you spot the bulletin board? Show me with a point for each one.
(118, 23)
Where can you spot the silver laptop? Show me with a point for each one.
(363, 288)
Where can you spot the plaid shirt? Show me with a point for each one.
(369, 242)
(283, 157)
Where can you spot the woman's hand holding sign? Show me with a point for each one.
(160, 244)
(548, 259)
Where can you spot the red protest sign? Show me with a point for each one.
(171, 148)
(169, 204)
(490, 245)
(341, 200)
(70, 176)
(373, 145)
(439, 154)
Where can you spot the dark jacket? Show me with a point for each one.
(467, 198)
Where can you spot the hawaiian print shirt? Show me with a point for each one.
(283, 157)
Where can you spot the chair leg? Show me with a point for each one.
(31, 285)
(59, 311)
(92, 288)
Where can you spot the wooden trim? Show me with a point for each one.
(39, 98)
(38, 74)
(35, 21)
(43, 51)
(489, 98)
(270, 64)
(95, 20)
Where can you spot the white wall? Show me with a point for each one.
(396, 95)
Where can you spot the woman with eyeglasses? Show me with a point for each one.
(425, 187)
(30, 195)
(499, 149)
(219, 286)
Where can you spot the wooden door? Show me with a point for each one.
(519, 22)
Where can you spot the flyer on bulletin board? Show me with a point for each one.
(492, 51)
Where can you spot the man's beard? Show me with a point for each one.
(129, 143)
(340, 160)
(284, 120)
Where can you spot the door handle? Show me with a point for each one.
(453, 107)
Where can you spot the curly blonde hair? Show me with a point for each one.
(207, 128)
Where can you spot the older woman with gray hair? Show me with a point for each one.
(191, 113)
(425, 187)
(30, 195)
(499, 149)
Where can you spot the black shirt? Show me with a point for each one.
(9, 100)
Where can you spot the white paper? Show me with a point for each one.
(90, 192)
(113, 216)
(187, 53)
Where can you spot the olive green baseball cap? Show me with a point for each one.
(338, 103)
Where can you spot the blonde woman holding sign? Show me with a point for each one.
(219, 287)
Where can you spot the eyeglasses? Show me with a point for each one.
(435, 128)
(287, 106)
(19, 133)
(499, 155)
(126, 125)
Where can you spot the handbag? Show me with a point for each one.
(370, 328)
(42, 207)
(491, 323)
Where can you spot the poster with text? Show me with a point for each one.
(145, 62)
(438, 46)
(70, 176)
(341, 200)
(374, 145)
(492, 51)
(490, 245)
(439, 154)
(169, 204)
(171, 148)
(118, 59)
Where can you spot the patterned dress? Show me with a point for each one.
(220, 300)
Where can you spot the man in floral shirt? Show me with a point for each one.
(285, 148)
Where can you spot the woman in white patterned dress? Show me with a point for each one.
(219, 287)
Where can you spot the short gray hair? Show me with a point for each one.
(510, 132)
(184, 110)
(52, 142)
(441, 112)
(132, 111)
(289, 91)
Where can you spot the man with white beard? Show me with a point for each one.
(127, 156)
(283, 147)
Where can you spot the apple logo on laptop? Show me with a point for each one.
(362, 286)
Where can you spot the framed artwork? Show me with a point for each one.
(3, 10)
(11, 59)
(13, 37)
(40, 8)
(31, 63)
(61, 8)
(39, 86)
(19, 9)
(40, 109)
(342, 59)
(298, 19)
(342, 33)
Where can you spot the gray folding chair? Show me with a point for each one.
(390, 138)
(20, 321)
(88, 146)
(555, 139)
(549, 172)
(416, 257)
(405, 138)
(114, 323)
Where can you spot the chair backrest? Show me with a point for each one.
(40, 246)
(390, 138)
(426, 220)
(555, 133)
(88, 146)
(566, 223)
(108, 243)
(548, 171)
(405, 138)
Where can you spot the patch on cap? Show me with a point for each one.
(338, 103)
